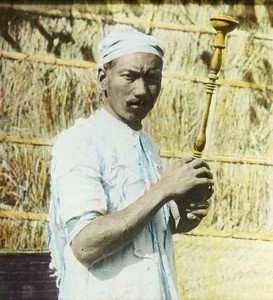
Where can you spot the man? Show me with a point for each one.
(110, 216)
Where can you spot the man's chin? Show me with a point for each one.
(134, 121)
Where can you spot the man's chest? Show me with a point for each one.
(128, 168)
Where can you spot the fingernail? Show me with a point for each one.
(191, 216)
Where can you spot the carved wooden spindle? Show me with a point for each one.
(223, 25)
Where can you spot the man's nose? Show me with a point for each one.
(140, 87)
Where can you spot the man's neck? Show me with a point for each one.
(135, 126)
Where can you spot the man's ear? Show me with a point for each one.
(102, 79)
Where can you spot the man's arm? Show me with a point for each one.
(183, 182)
(109, 233)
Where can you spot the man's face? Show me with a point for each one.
(132, 85)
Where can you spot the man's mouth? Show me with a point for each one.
(135, 103)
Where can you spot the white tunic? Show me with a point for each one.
(101, 165)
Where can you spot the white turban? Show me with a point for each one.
(120, 43)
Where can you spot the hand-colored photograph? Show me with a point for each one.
(136, 150)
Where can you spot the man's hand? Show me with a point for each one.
(187, 181)
(192, 183)
(189, 216)
(197, 211)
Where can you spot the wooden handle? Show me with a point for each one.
(223, 25)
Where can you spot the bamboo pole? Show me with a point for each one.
(27, 141)
(23, 215)
(159, 25)
(232, 234)
(220, 81)
(163, 153)
(49, 60)
(244, 84)
(69, 12)
(93, 65)
(220, 158)
(184, 28)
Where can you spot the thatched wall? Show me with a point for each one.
(48, 79)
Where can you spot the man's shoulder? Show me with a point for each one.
(84, 132)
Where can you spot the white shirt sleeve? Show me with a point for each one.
(76, 176)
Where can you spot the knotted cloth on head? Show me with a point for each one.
(120, 43)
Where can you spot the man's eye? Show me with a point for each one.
(153, 79)
(129, 77)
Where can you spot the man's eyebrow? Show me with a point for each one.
(128, 70)
(157, 70)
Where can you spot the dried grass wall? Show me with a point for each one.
(48, 79)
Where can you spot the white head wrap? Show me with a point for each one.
(120, 43)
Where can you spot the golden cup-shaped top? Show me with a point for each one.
(224, 23)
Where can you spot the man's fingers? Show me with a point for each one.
(204, 172)
(186, 160)
(199, 205)
(198, 163)
(209, 193)
(197, 211)
(196, 215)
(200, 213)
(209, 182)
(191, 216)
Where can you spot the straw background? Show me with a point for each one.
(48, 62)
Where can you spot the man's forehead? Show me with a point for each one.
(138, 62)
